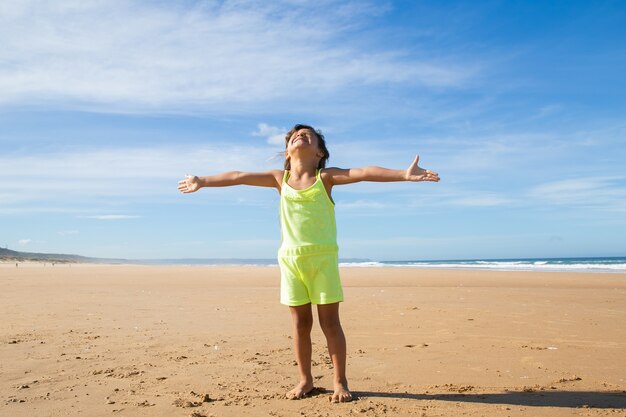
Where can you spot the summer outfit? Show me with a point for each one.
(308, 260)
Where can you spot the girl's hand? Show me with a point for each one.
(415, 173)
(190, 184)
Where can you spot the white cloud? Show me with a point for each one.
(111, 217)
(549, 110)
(78, 181)
(605, 193)
(24, 242)
(68, 232)
(362, 204)
(480, 200)
(572, 190)
(274, 135)
(168, 56)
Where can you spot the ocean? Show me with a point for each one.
(591, 264)
(604, 264)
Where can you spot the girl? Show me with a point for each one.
(308, 253)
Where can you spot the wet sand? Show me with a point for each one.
(91, 340)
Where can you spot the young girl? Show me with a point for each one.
(308, 253)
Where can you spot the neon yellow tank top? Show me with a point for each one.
(307, 218)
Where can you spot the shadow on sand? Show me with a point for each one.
(569, 399)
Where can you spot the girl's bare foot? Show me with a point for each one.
(342, 394)
(302, 390)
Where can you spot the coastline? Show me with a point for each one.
(138, 340)
(614, 265)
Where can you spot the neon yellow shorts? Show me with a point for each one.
(308, 276)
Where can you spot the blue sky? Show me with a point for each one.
(520, 106)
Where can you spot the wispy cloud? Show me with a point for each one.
(274, 135)
(361, 204)
(480, 200)
(24, 242)
(180, 57)
(68, 232)
(604, 193)
(111, 217)
(549, 110)
(80, 180)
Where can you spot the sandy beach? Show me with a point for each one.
(91, 340)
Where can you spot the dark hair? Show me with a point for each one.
(320, 142)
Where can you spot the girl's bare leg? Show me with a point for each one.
(302, 325)
(336, 340)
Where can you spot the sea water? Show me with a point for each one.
(595, 264)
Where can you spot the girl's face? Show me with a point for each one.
(303, 137)
(304, 140)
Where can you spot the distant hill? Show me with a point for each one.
(15, 256)
(7, 255)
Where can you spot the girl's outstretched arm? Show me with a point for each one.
(192, 183)
(340, 176)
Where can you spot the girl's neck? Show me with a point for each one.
(300, 168)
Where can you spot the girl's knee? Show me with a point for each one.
(329, 316)
(303, 324)
(330, 323)
(302, 318)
